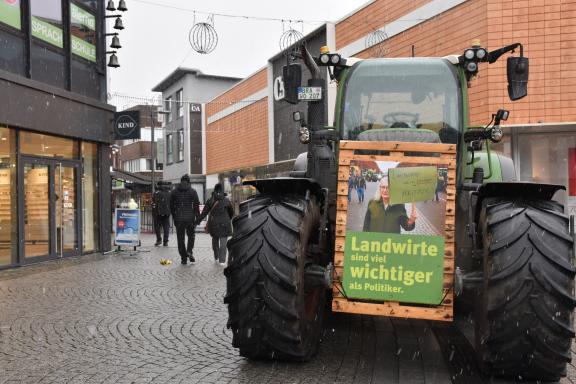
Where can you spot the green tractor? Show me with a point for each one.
(513, 274)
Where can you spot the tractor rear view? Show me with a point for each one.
(402, 210)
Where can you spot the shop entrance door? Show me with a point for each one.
(49, 223)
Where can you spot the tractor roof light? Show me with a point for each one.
(335, 59)
(481, 54)
(472, 67)
(324, 58)
(324, 49)
(469, 54)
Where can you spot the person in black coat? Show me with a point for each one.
(161, 213)
(219, 223)
(185, 208)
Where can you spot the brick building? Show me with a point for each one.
(248, 135)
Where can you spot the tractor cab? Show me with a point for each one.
(409, 100)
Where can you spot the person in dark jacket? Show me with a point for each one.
(185, 208)
(161, 213)
(219, 222)
(381, 216)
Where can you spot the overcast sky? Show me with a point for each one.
(155, 38)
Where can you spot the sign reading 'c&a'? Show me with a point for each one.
(127, 125)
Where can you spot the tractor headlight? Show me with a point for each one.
(472, 67)
(335, 59)
(496, 134)
(469, 54)
(324, 58)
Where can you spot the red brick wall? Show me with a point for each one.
(239, 92)
(547, 28)
(372, 17)
(239, 139)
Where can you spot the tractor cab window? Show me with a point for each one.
(402, 100)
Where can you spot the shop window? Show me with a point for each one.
(47, 145)
(180, 155)
(90, 195)
(88, 3)
(169, 149)
(86, 81)
(83, 33)
(179, 103)
(12, 57)
(10, 14)
(47, 66)
(47, 21)
(168, 108)
(8, 217)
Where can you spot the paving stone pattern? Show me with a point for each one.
(123, 318)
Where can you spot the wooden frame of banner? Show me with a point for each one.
(440, 154)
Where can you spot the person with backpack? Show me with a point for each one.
(161, 213)
(219, 224)
(185, 208)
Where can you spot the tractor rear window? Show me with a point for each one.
(402, 100)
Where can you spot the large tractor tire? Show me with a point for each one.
(273, 312)
(525, 317)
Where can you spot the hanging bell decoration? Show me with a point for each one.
(113, 62)
(118, 24)
(115, 43)
(203, 37)
(110, 7)
(122, 6)
(375, 43)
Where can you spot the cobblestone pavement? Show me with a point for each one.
(122, 318)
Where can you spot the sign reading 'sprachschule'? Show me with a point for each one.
(127, 125)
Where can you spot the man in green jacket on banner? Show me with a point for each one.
(383, 217)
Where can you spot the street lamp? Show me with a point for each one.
(153, 145)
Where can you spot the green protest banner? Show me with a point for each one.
(392, 267)
(47, 32)
(411, 184)
(10, 13)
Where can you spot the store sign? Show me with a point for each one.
(83, 23)
(279, 93)
(10, 13)
(127, 125)
(47, 32)
(195, 108)
(127, 227)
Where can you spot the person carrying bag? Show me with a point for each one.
(219, 224)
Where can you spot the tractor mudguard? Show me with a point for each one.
(513, 190)
(287, 185)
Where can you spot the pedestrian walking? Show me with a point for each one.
(219, 225)
(361, 188)
(161, 213)
(185, 209)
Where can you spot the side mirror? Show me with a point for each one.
(297, 116)
(292, 75)
(517, 73)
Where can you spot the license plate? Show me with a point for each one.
(309, 93)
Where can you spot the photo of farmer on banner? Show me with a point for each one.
(401, 198)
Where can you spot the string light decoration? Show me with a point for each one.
(375, 43)
(203, 36)
(290, 36)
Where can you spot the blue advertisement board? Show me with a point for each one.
(127, 227)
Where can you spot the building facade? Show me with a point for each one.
(541, 128)
(55, 130)
(184, 91)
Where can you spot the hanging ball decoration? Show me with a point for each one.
(203, 38)
(289, 38)
(374, 42)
